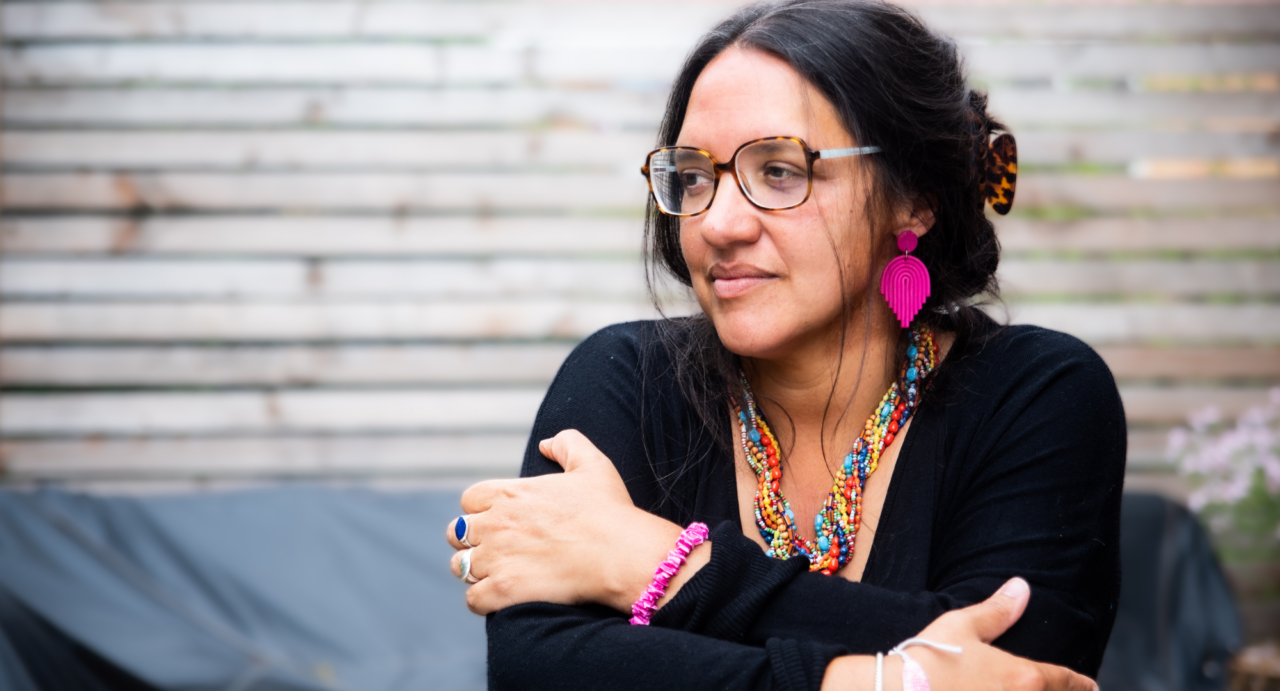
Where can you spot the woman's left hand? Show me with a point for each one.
(566, 538)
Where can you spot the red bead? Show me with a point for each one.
(893, 426)
(888, 439)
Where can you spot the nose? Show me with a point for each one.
(731, 219)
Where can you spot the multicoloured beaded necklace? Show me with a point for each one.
(836, 525)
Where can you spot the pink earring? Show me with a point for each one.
(905, 282)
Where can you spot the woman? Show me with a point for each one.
(861, 478)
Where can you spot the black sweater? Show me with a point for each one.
(1014, 465)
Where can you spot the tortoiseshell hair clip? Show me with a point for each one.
(1000, 174)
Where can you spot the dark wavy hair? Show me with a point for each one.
(894, 84)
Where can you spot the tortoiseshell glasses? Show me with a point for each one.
(774, 173)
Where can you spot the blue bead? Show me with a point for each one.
(817, 522)
(790, 516)
(911, 391)
(755, 436)
(824, 544)
(911, 374)
(460, 528)
(742, 416)
(912, 352)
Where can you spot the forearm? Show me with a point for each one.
(632, 569)
(543, 646)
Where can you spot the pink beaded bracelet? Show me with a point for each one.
(692, 536)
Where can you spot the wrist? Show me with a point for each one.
(629, 572)
(858, 673)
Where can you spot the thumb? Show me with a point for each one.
(572, 450)
(996, 614)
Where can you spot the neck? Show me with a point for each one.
(819, 395)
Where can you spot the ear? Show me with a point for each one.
(918, 218)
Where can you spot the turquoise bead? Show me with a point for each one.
(755, 436)
(790, 516)
(824, 544)
(912, 374)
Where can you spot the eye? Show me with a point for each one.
(695, 181)
(781, 175)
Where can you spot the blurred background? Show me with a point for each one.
(261, 241)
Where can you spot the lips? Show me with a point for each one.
(731, 281)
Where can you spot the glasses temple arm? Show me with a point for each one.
(841, 153)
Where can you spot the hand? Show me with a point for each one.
(980, 666)
(567, 538)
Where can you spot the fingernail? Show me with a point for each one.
(1016, 587)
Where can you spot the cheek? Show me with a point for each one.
(695, 253)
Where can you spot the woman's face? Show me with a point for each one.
(771, 280)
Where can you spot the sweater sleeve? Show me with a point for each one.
(543, 646)
(1031, 488)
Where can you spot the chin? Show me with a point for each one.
(750, 335)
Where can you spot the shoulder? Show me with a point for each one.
(1014, 352)
(1015, 371)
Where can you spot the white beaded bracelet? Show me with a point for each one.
(913, 676)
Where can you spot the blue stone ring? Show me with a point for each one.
(460, 530)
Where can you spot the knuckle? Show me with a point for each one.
(1029, 678)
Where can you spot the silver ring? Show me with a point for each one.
(464, 564)
(463, 523)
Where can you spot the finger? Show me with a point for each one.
(486, 597)
(996, 614)
(479, 497)
(455, 564)
(470, 531)
(572, 450)
(1062, 679)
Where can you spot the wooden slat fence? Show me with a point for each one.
(257, 240)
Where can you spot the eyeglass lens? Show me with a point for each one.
(773, 173)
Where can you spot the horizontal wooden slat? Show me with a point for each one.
(366, 150)
(433, 279)
(494, 454)
(402, 365)
(288, 411)
(380, 320)
(398, 236)
(461, 64)
(1192, 278)
(405, 107)
(1172, 404)
(1148, 448)
(341, 106)
(529, 278)
(388, 319)
(478, 150)
(660, 25)
(351, 411)
(1137, 234)
(1190, 363)
(1103, 323)
(468, 236)
(337, 191)
(330, 63)
(1066, 147)
(417, 364)
(229, 192)
(580, 21)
